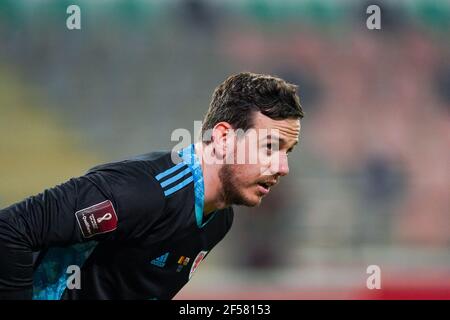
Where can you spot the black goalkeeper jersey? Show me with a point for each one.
(132, 229)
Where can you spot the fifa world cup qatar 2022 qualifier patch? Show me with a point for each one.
(97, 219)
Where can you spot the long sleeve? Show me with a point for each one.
(115, 202)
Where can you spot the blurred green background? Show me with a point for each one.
(369, 185)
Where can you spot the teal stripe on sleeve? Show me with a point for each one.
(178, 186)
(176, 177)
(169, 171)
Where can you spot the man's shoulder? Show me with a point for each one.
(133, 180)
(150, 163)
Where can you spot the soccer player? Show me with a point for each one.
(139, 228)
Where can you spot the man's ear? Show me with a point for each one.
(221, 137)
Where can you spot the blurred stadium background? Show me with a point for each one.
(369, 185)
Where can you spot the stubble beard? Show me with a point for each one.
(230, 188)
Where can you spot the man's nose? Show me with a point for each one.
(281, 167)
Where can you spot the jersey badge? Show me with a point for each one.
(200, 256)
(97, 219)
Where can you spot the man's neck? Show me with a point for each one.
(213, 198)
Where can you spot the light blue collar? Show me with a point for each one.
(190, 158)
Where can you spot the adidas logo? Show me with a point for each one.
(160, 261)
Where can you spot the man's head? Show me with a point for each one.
(253, 122)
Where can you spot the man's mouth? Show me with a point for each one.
(264, 187)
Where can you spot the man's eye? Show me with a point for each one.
(269, 149)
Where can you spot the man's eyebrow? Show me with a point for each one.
(282, 141)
